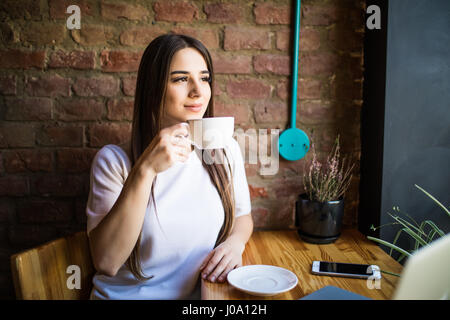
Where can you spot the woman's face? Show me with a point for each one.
(187, 86)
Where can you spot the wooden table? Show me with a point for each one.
(286, 249)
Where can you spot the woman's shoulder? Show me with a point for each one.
(113, 158)
(113, 152)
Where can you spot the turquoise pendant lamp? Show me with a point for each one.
(294, 143)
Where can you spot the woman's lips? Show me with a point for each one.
(194, 107)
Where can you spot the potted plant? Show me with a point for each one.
(320, 210)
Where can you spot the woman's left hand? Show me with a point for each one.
(224, 258)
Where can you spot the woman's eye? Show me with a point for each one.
(207, 79)
(178, 79)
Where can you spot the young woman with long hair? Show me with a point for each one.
(158, 215)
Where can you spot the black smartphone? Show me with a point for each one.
(351, 270)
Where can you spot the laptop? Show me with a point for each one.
(425, 276)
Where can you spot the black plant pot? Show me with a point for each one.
(318, 222)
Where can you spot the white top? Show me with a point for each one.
(174, 244)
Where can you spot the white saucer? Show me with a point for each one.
(262, 280)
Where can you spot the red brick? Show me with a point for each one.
(285, 187)
(318, 63)
(38, 33)
(109, 133)
(251, 170)
(249, 89)
(21, 9)
(231, 64)
(60, 185)
(38, 109)
(293, 168)
(58, 8)
(14, 186)
(257, 192)
(208, 37)
(324, 137)
(345, 89)
(120, 109)
(355, 18)
(13, 135)
(74, 160)
(93, 34)
(129, 85)
(7, 34)
(106, 86)
(343, 38)
(8, 85)
(260, 217)
(61, 136)
(267, 111)
(224, 12)
(28, 161)
(354, 67)
(309, 40)
(120, 61)
(73, 59)
(175, 11)
(18, 59)
(41, 211)
(317, 112)
(79, 109)
(139, 36)
(247, 137)
(124, 10)
(47, 86)
(239, 38)
(267, 13)
(316, 15)
(271, 63)
(306, 89)
(283, 217)
(217, 90)
(240, 111)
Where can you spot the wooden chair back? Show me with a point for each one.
(43, 273)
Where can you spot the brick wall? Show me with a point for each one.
(66, 93)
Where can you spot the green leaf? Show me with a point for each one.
(391, 273)
(434, 199)
(406, 224)
(395, 240)
(433, 226)
(390, 245)
(415, 236)
(431, 236)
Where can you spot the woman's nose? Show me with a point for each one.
(194, 89)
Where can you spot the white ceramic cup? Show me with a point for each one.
(211, 133)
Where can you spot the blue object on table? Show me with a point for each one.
(333, 293)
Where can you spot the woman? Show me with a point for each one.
(158, 216)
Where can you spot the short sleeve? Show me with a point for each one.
(109, 171)
(241, 190)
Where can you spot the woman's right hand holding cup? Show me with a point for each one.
(167, 148)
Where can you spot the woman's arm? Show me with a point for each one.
(228, 255)
(113, 239)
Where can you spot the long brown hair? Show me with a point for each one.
(148, 110)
